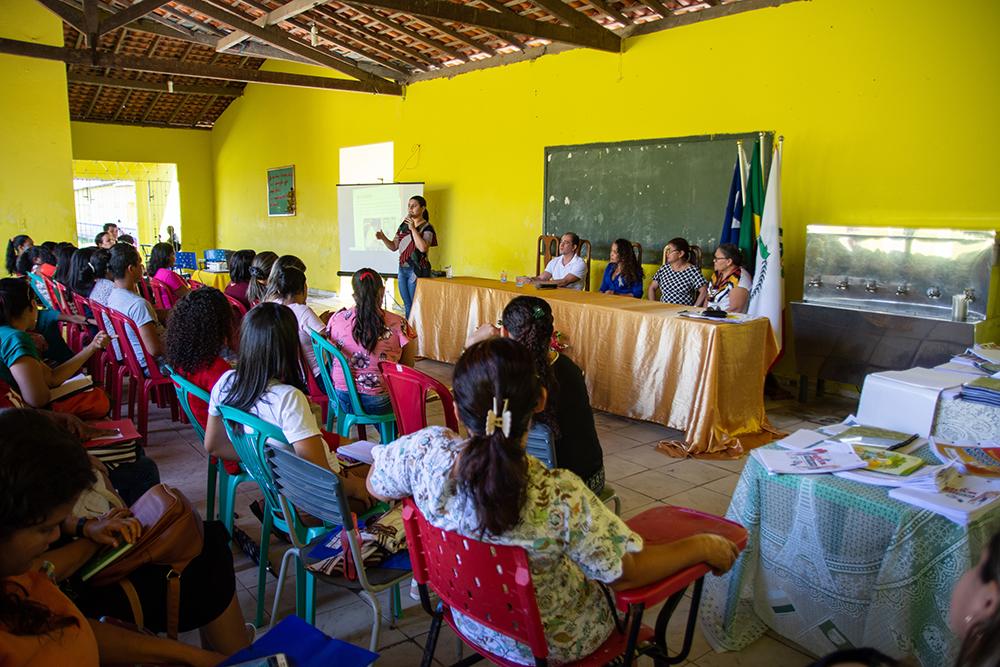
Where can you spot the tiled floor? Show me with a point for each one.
(643, 477)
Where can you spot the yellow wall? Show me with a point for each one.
(190, 150)
(888, 110)
(36, 178)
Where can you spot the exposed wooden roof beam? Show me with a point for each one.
(121, 107)
(177, 110)
(609, 11)
(203, 111)
(594, 37)
(279, 38)
(566, 14)
(93, 102)
(372, 45)
(153, 86)
(125, 16)
(456, 35)
(282, 13)
(169, 66)
(72, 16)
(408, 31)
(152, 105)
(335, 22)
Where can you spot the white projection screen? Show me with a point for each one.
(362, 210)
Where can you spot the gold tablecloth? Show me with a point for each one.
(218, 280)
(640, 358)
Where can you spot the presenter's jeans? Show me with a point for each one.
(407, 287)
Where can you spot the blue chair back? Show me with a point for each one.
(326, 354)
(542, 445)
(249, 436)
(309, 488)
(185, 390)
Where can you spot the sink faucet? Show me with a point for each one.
(934, 293)
(871, 286)
(970, 294)
(843, 284)
(902, 289)
(816, 281)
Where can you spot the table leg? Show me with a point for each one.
(803, 388)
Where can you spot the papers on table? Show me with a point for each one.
(802, 439)
(905, 400)
(960, 498)
(828, 457)
(730, 318)
(924, 477)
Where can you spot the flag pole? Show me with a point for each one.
(760, 155)
(741, 159)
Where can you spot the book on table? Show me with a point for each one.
(960, 498)
(984, 390)
(976, 458)
(888, 462)
(828, 457)
(871, 436)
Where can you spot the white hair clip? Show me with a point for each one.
(493, 419)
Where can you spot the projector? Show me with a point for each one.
(217, 267)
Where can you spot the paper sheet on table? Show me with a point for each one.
(359, 451)
(886, 403)
(988, 352)
(958, 367)
(927, 378)
(802, 439)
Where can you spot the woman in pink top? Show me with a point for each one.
(161, 261)
(367, 334)
(287, 285)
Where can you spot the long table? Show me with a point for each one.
(639, 357)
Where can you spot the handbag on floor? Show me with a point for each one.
(172, 535)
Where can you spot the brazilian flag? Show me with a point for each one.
(753, 209)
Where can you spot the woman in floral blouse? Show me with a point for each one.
(488, 488)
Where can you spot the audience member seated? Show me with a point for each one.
(16, 246)
(200, 332)
(104, 240)
(161, 260)
(367, 334)
(103, 285)
(287, 285)
(126, 238)
(36, 259)
(260, 271)
(730, 287)
(21, 365)
(45, 471)
(125, 266)
(568, 269)
(679, 280)
(528, 320)
(268, 384)
(64, 257)
(974, 618)
(487, 488)
(239, 275)
(623, 275)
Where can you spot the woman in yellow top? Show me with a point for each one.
(730, 286)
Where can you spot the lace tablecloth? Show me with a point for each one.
(962, 420)
(833, 563)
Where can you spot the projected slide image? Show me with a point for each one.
(374, 209)
(364, 210)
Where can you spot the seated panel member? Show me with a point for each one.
(624, 274)
(566, 270)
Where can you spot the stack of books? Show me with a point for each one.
(957, 497)
(985, 390)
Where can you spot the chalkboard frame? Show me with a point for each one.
(600, 246)
(275, 195)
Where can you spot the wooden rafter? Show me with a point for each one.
(609, 11)
(279, 38)
(392, 24)
(203, 111)
(152, 105)
(566, 14)
(371, 44)
(339, 24)
(595, 37)
(282, 13)
(168, 66)
(125, 16)
(121, 107)
(152, 86)
(456, 35)
(74, 17)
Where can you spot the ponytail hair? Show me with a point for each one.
(528, 320)
(13, 250)
(81, 272)
(495, 376)
(691, 253)
(260, 269)
(369, 320)
(280, 265)
(423, 202)
(286, 281)
(15, 298)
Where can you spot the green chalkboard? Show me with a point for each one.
(646, 191)
(281, 191)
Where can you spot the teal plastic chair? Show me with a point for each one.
(542, 446)
(326, 354)
(218, 477)
(306, 487)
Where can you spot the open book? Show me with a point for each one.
(75, 384)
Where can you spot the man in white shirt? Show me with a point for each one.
(126, 269)
(568, 269)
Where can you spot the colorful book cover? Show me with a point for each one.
(977, 459)
(888, 462)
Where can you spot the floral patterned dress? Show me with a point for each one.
(572, 539)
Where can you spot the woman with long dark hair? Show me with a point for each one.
(64, 259)
(287, 286)
(368, 334)
(679, 280)
(487, 488)
(81, 273)
(15, 246)
(161, 263)
(623, 274)
(43, 470)
(260, 271)
(100, 262)
(528, 320)
(22, 367)
(239, 275)
(414, 238)
(731, 283)
(268, 384)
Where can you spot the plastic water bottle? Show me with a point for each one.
(503, 275)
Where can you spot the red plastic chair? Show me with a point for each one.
(163, 297)
(492, 584)
(145, 291)
(408, 390)
(142, 388)
(75, 334)
(194, 284)
(113, 367)
(316, 393)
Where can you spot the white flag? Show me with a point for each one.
(767, 295)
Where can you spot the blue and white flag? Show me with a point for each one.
(734, 208)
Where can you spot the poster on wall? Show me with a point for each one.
(281, 191)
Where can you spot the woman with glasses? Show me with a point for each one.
(679, 280)
(730, 287)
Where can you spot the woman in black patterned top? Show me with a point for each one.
(679, 280)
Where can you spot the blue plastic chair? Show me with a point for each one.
(542, 446)
(306, 487)
(326, 353)
(218, 477)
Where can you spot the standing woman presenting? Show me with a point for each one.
(414, 238)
